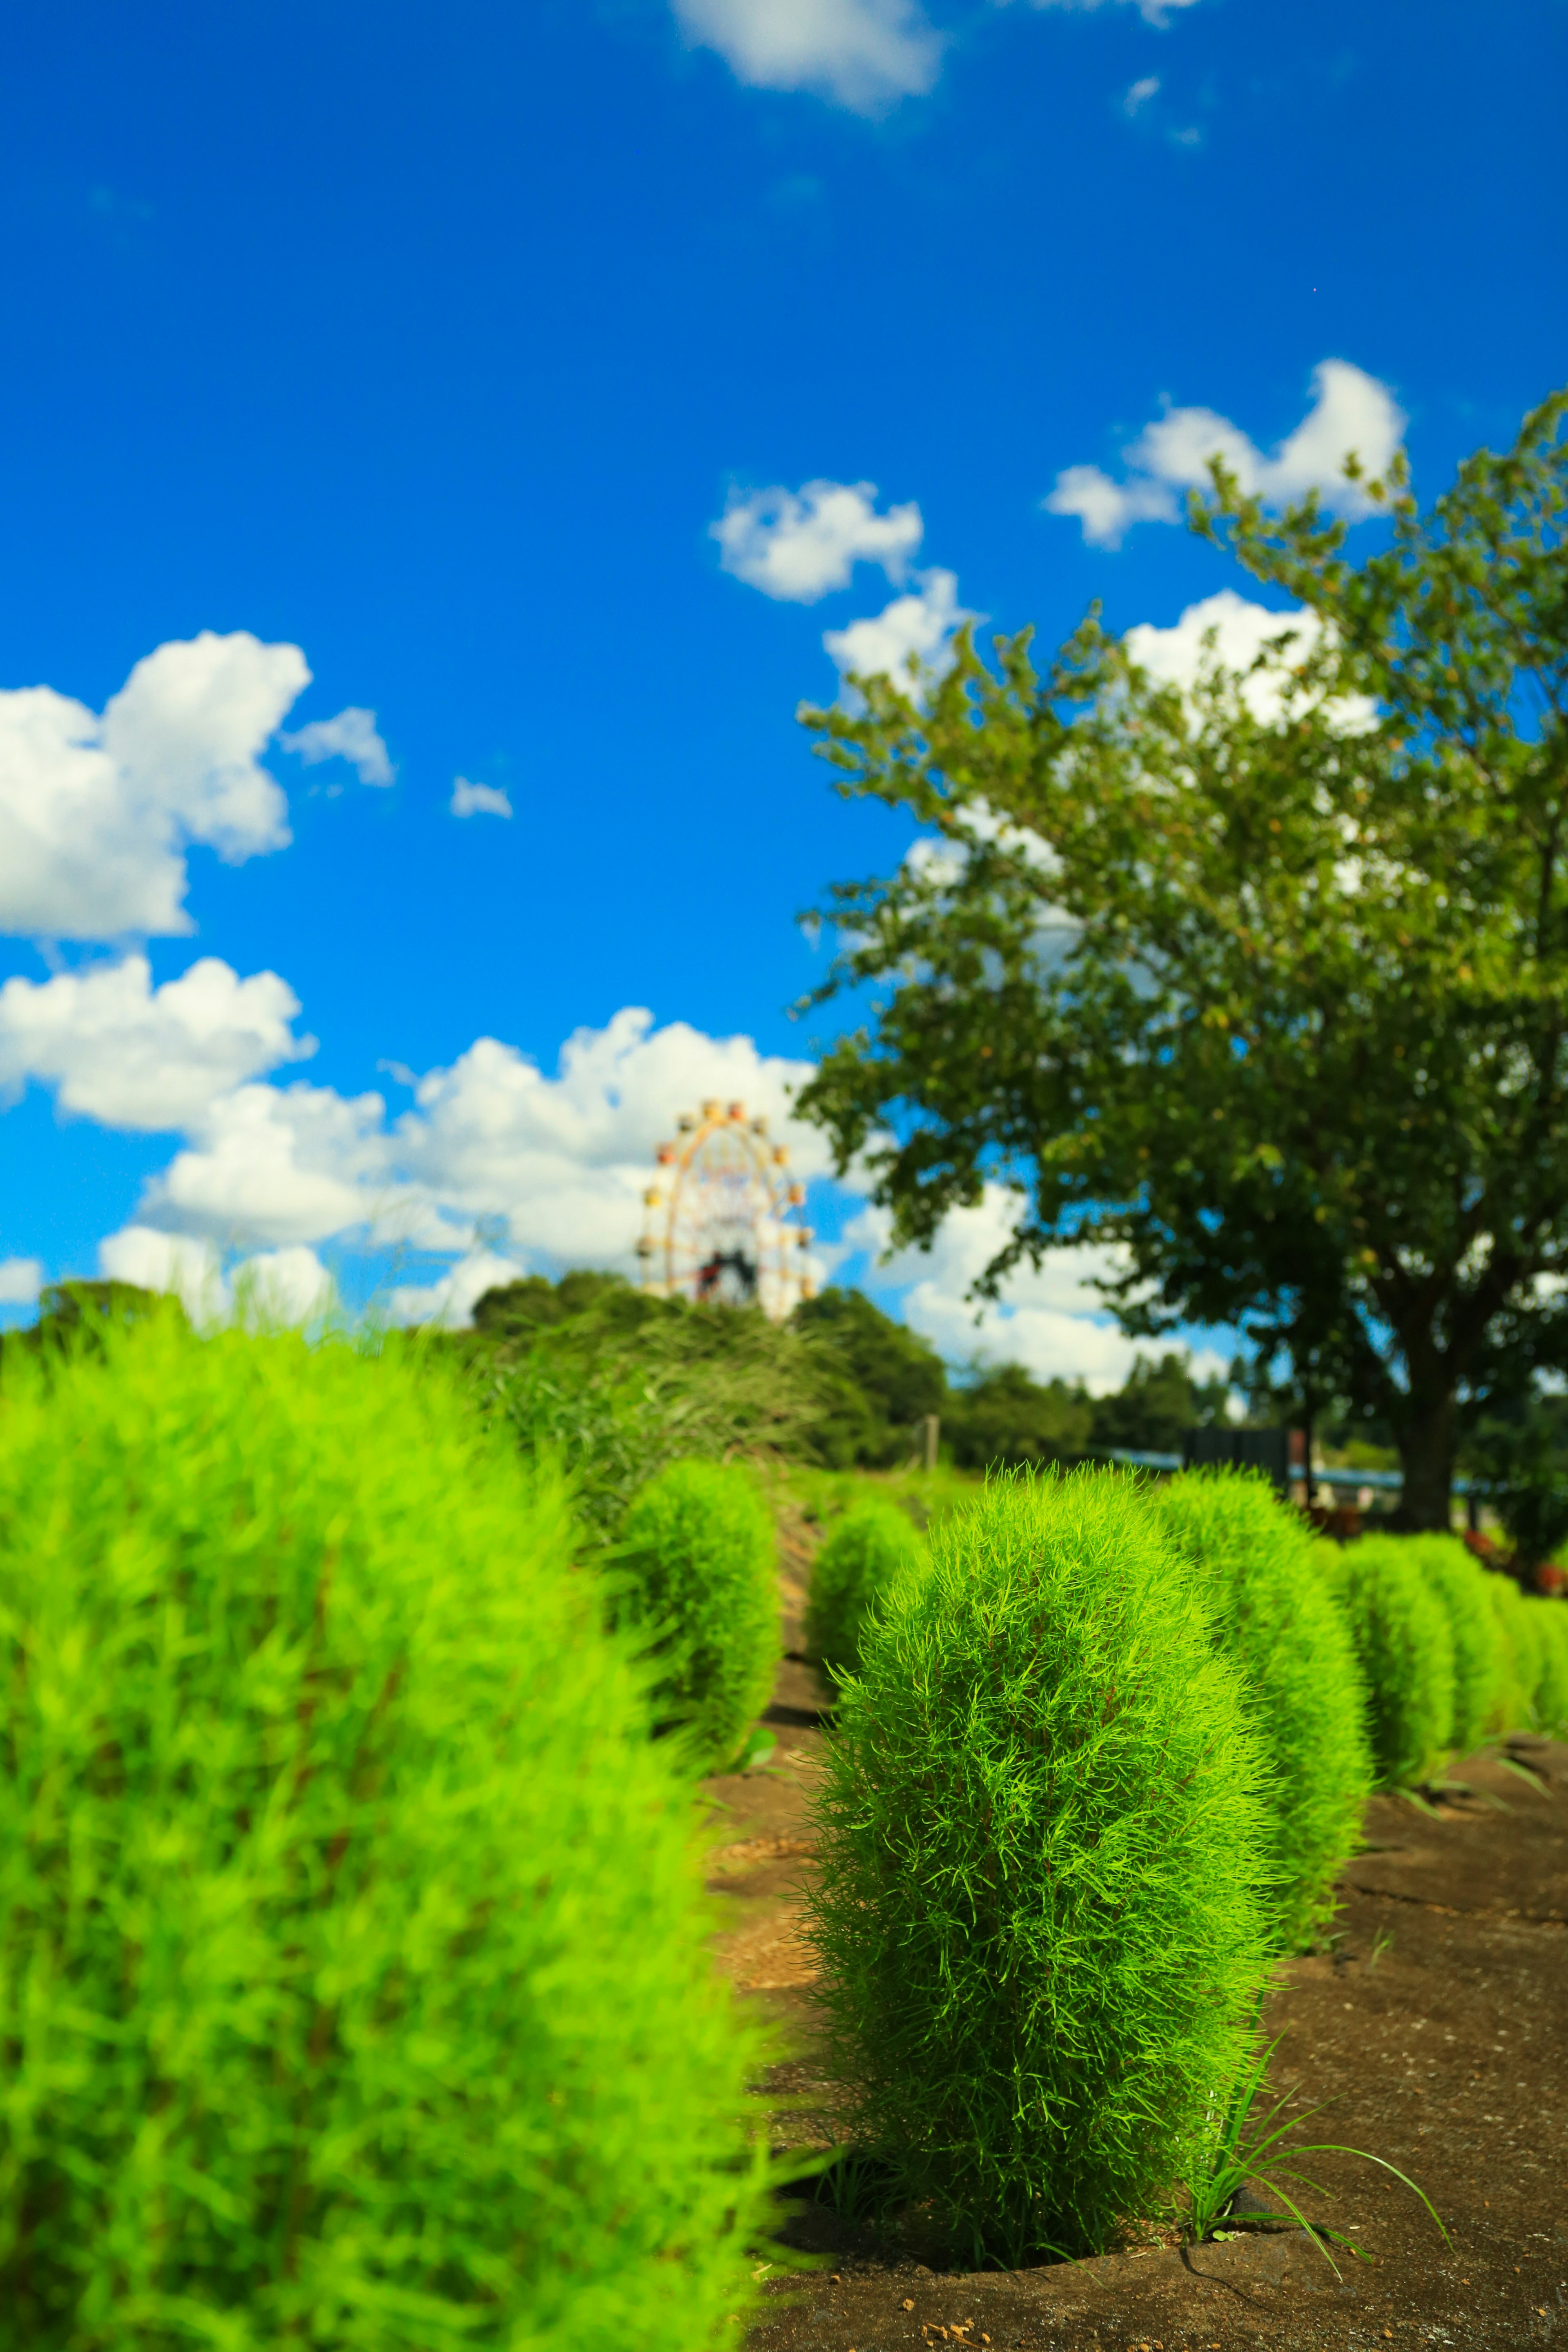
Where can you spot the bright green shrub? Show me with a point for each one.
(352, 1981)
(1550, 1620)
(1041, 1838)
(1400, 1629)
(1275, 1618)
(867, 1551)
(1524, 1660)
(695, 1577)
(1481, 1660)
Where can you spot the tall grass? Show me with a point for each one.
(1042, 1834)
(352, 1970)
(1279, 1624)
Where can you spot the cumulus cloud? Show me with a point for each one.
(282, 1286)
(276, 1165)
(120, 1051)
(1351, 411)
(799, 544)
(865, 54)
(921, 623)
(1052, 1321)
(352, 736)
(477, 800)
(96, 811)
(1232, 630)
(175, 1263)
(450, 1302)
(21, 1279)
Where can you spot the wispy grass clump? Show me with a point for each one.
(1284, 1629)
(1042, 1837)
(1551, 1690)
(1524, 1661)
(1480, 1659)
(1400, 1629)
(353, 1961)
(693, 1577)
(863, 1557)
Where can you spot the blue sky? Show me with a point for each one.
(423, 349)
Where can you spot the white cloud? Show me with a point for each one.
(95, 813)
(277, 1165)
(283, 1286)
(477, 800)
(352, 736)
(168, 1262)
(134, 1056)
(1352, 412)
(799, 544)
(921, 623)
(863, 54)
(1153, 12)
(1240, 630)
(451, 1301)
(21, 1279)
(1140, 94)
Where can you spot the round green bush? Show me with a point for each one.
(1481, 1660)
(695, 1578)
(1400, 1629)
(1041, 1834)
(1283, 1628)
(352, 1968)
(1550, 1620)
(1524, 1660)
(864, 1554)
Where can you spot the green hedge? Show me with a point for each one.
(1551, 1690)
(864, 1555)
(1289, 1636)
(1400, 1629)
(1041, 1837)
(694, 1578)
(352, 1965)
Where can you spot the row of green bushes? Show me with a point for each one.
(1097, 1761)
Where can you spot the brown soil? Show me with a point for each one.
(1434, 2025)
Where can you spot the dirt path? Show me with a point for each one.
(1437, 2027)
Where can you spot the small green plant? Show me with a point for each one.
(1042, 1835)
(693, 1577)
(1480, 1661)
(1400, 1629)
(1549, 1620)
(352, 1945)
(1247, 2152)
(1286, 1634)
(866, 1553)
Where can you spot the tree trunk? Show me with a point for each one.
(1427, 1457)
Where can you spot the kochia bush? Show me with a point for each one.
(1482, 1670)
(694, 1576)
(1400, 1629)
(864, 1554)
(1041, 1838)
(352, 1981)
(1552, 1691)
(1281, 1625)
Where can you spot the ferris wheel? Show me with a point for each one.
(718, 1220)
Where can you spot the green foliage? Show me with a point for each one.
(621, 1384)
(1523, 1461)
(1481, 1669)
(866, 1553)
(1268, 1003)
(1003, 1415)
(1400, 1629)
(1156, 1405)
(1551, 1618)
(694, 1578)
(1523, 1661)
(1276, 1618)
(74, 1315)
(1040, 1837)
(894, 1376)
(352, 1962)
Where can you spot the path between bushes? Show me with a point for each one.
(1437, 2027)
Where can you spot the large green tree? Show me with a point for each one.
(1263, 980)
